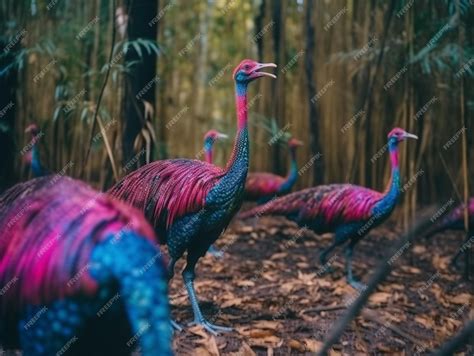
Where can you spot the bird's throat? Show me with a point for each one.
(241, 105)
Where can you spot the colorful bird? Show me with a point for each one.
(80, 272)
(349, 211)
(264, 186)
(210, 138)
(32, 156)
(454, 220)
(191, 202)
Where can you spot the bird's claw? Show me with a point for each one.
(176, 326)
(213, 329)
(215, 252)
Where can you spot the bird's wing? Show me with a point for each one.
(168, 189)
(262, 184)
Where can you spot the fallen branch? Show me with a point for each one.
(372, 316)
(460, 339)
(325, 308)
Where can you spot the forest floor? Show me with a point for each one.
(270, 287)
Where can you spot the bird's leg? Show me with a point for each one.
(188, 277)
(350, 278)
(215, 252)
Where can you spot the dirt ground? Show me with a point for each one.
(270, 287)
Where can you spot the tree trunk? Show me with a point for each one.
(141, 80)
(318, 162)
(8, 81)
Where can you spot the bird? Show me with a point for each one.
(191, 202)
(349, 211)
(32, 156)
(262, 186)
(210, 138)
(80, 272)
(454, 220)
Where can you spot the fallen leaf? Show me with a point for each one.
(380, 298)
(461, 299)
(245, 350)
(312, 345)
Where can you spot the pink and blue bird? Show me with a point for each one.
(190, 202)
(349, 211)
(79, 272)
(454, 220)
(262, 186)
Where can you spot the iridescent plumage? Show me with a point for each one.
(65, 251)
(209, 139)
(349, 211)
(191, 202)
(262, 186)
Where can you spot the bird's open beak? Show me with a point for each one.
(409, 135)
(257, 74)
(222, 136)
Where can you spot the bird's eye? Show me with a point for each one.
(246, 67)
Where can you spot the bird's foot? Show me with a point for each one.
(176, 326)
(215, 252)
(357, 285)
(213, 329)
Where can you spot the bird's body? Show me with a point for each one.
(454, 220)
(263, 186)
(191, 202)
(79, 268)
(347, 210)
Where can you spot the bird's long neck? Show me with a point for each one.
(392, 192)
(35, 159)
(230, 187)
(240, 154)
(293, 171)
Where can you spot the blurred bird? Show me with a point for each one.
(80, 271)
(209, 139)
(454, 220)
(264, 186)
(348, 210)
(191, 202)
(32, 156)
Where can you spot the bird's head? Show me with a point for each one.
(398, 135)
(294, 143)
(214, 135)
(249, 70)
(32, 129)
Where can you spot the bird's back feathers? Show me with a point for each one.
(330, 204)
(260, 185)
(168, 189)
